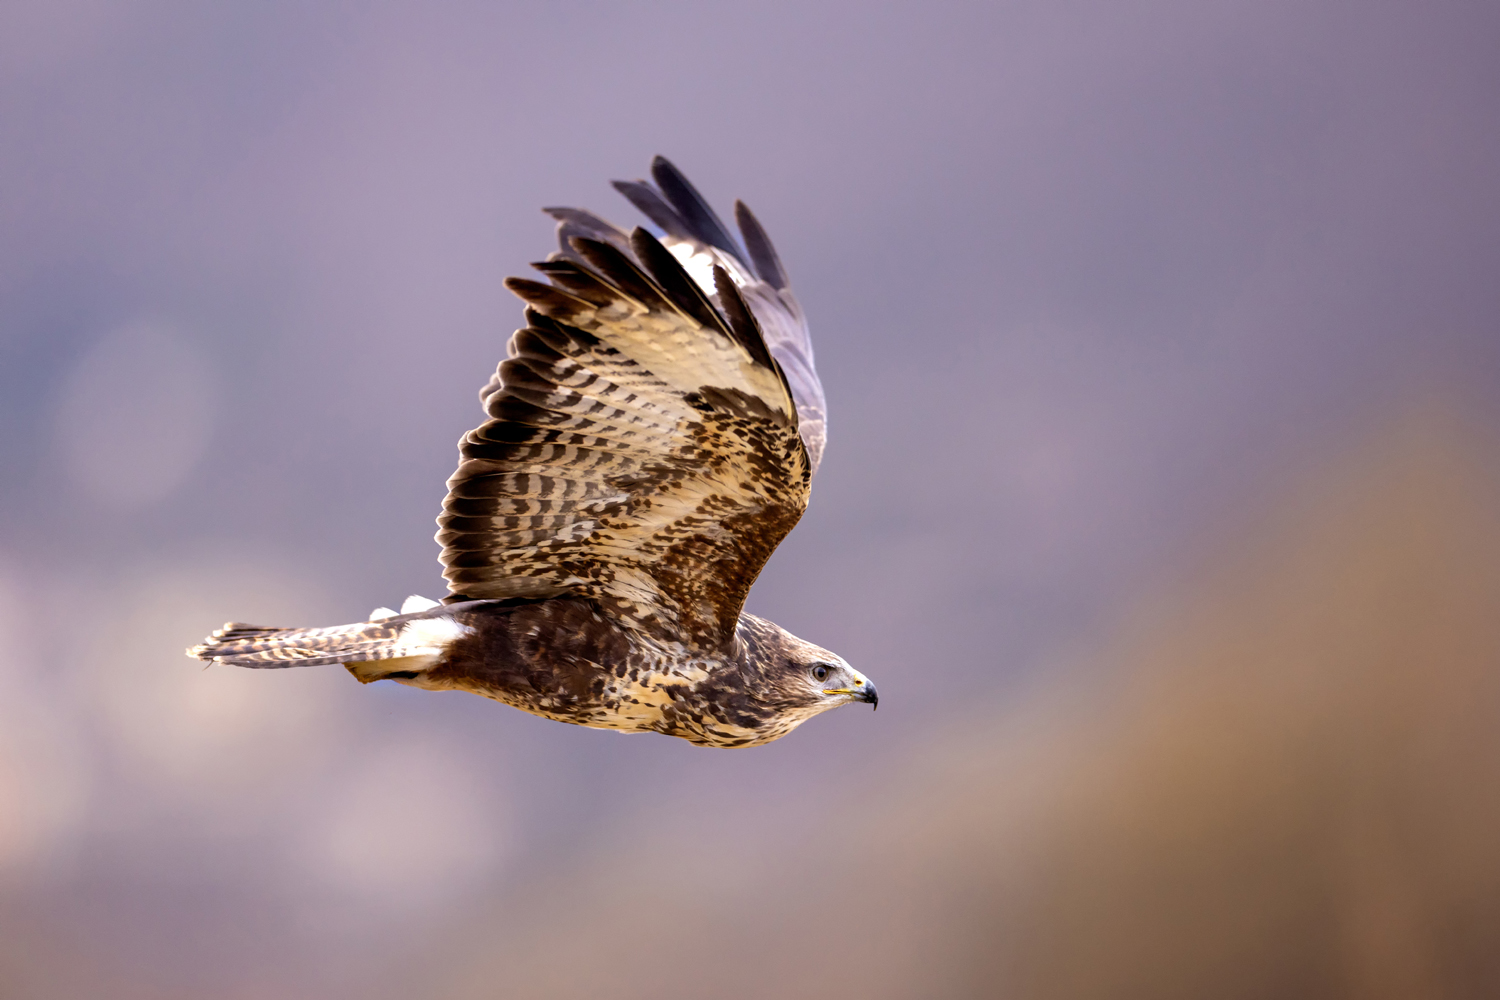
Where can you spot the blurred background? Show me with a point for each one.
(1162, 500)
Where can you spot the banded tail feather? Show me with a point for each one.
(396, 645)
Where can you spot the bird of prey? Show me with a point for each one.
(652, 437)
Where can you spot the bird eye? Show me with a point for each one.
(820, 671)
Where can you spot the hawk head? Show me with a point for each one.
(816, 680)
(780, 682)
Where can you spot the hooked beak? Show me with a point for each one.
(865, 693)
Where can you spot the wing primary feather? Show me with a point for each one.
(509, 409)
(646, 198)
(577, 280)
(616, 267)
(701, 220)
(762, 254)
(575, 222)
(742, 324)
(670, 275)
(549, 299)
(546, 324)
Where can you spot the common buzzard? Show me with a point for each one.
(653, 436)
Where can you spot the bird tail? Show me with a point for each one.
(392, 645)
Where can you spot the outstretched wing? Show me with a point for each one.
(643, 448)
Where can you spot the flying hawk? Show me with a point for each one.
(652, 438)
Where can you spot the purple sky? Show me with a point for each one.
(1085, 280)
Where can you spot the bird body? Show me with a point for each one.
(653, 435)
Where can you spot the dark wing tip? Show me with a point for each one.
(669, 273)
(549, 300)
(615, 266)
(742, 322)
(701, 220)
(763, 255)
(649, 202)
(575, 222)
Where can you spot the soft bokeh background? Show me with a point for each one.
(1162, 500)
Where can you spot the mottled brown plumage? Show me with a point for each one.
(652, 438)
